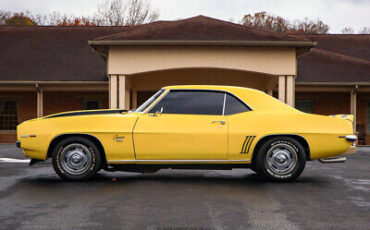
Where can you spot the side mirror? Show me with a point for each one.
(157, 113)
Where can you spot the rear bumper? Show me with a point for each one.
(333, 160)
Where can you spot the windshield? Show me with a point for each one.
(149, 101)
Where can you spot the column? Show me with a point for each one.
(290, 92)
(281, 89)
(113, 92)
(122, 92)
(127, 104)
(134, 98)
(40, 101)
(354, 107)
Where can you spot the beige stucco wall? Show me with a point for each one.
(270, 60)
(158, 79)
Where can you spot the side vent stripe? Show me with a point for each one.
(247, 144)
(252, 139)
(245, 140)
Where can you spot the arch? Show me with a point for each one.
(137, 59)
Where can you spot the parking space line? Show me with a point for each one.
(11, 160)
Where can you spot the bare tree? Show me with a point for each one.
(4, 15)
(267, 21)
(347, 30)
(130, 12)
(308, 26)
(365, 30)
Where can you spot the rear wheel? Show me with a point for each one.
(76, 158)
(281, 159)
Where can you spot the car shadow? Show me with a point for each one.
(177, 178)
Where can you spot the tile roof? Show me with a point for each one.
(354, 45)
(49, 53)
(199, 28)
(324, 66)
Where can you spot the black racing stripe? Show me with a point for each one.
(250, 143)
(87, 113)
(245, 140)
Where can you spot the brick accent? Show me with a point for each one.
(339, 103)
(26, 110)
(362, 100)
(328, 103)
(54, 102)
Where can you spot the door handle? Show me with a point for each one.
(222, 122)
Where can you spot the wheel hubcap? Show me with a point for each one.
(76, 158)
(281, 159)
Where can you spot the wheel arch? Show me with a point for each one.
(298, 138)
(90, 137)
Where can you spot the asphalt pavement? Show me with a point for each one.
(325, 196)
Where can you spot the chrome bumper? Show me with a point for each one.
(333, 160)
(351, 138)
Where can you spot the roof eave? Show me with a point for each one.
(308, 44)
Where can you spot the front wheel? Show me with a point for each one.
(76, 158)
(281, 159)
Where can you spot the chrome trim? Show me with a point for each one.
(333, 160)
(223, 107)
(159, 99)
(176, 161)
(222, 122)
(351, 138)
(27, 136)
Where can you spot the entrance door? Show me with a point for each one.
(184, 125)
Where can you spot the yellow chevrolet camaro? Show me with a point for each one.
(189, 127)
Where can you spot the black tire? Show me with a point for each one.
(253, 167)
(281, 159)
(76, 158)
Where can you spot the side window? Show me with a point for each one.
(234, 105)
(87, 104)
(191, 102)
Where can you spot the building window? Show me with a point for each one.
(368, 116)
(8, 114)
(88, 104)
(307, 106)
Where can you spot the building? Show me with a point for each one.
(45, 70)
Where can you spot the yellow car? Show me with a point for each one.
(189, 127)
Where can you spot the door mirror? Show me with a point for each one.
(157, 113)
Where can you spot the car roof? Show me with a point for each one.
(255, 99)
(210, 87)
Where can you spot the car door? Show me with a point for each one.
(184, 125)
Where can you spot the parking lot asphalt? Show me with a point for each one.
(325, 196)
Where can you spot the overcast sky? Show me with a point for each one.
(336, 13)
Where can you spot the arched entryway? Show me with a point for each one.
(129, 91)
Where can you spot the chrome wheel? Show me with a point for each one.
(76, 159)
(281, 159)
